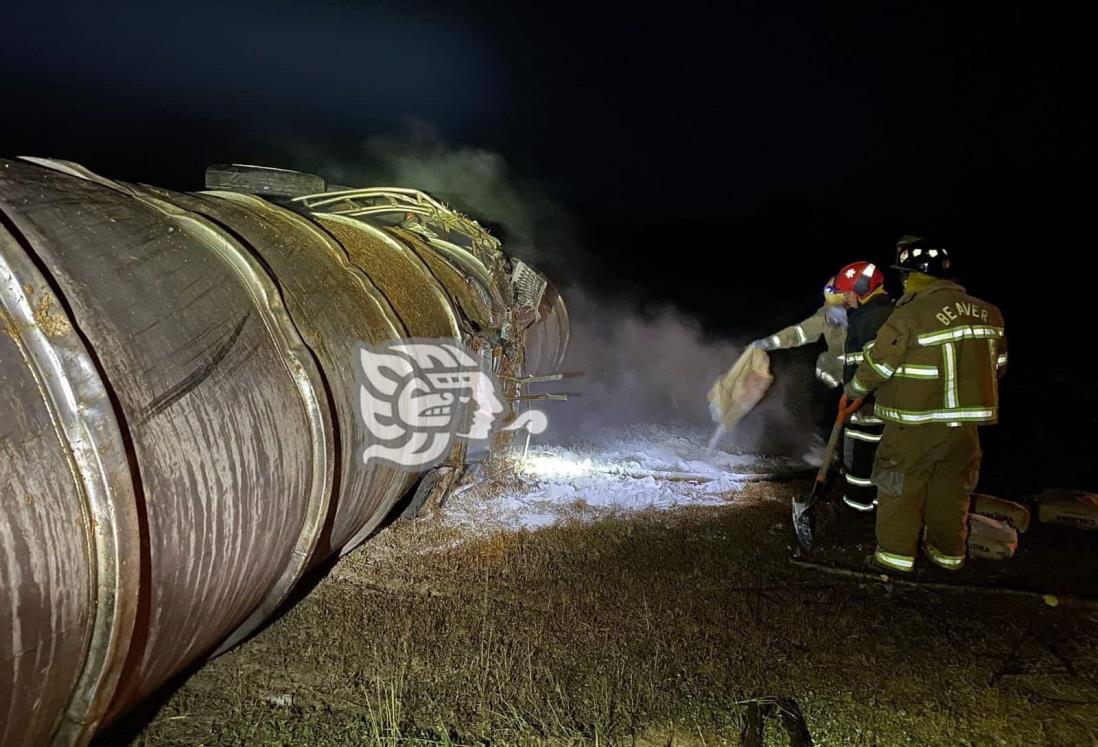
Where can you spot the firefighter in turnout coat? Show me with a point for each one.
(862, 285)
(934, 367)
(828, 322)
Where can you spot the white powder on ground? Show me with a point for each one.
(612, 471)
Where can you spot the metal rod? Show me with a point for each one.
(533, 379)
(541, 397)
(544, 377)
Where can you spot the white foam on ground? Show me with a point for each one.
(612, 471)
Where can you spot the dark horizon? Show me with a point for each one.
(725, 160)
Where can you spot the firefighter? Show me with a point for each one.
(934, 366)
(830, 322)
(869, 305)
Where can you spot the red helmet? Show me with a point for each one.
(859, 278)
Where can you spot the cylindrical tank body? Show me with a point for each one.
(178, 431)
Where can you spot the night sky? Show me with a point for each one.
(726, 158)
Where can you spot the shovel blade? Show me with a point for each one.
(804, 524)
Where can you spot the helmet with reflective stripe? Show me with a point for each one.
(859, 278)
(915, 254)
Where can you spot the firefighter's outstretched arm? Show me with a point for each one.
(883, 357)
(794, 336)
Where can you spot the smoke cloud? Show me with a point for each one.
(639, 367)
(657, 367)
(474, 181)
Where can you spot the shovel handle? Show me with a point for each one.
(833, 442)
(844, 413)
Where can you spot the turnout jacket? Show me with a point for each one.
(862, 328)
(829, 365)
(937, 359)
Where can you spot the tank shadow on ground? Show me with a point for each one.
(130, 725)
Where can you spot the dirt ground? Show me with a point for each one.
(657, 628)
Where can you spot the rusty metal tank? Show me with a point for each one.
(178, 430)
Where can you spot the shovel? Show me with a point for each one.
(803, 513)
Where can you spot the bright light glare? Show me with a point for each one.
(554, 466)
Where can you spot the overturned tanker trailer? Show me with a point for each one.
(179, 434)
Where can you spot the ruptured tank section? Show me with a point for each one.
(179, 439)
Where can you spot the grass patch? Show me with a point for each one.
(651, 629)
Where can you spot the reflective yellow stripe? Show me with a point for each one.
(882, 368)
(860, 482)
(801, 335)
(949, 365)
(860, 436)
(775, 341)
(826, 378)
(891, 560)
(852, 357)
(999, 361)
(961, 333)
(957, 415)
(858, 385)
(857, 506)
(865, 419)
(911, 371)
(952, 562)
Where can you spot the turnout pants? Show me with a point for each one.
(925, 475)
(860, 439)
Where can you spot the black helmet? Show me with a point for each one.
(914, 254)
